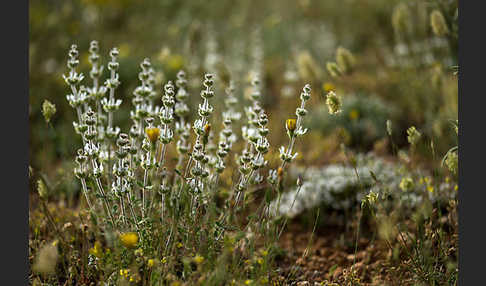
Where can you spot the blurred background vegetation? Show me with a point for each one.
(403, 69)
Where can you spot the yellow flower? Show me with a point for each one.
(260, 260)
(327, 86)
(354, 114)
(264, 253)
(163, 260)
(124, 272)
(129, 239)
(280, 172)
(430, 189)
(175, 62)
(248, 282)
(264, 280)
(198, 259)
(96, 250)
(150, 263)
(152, 134)
(179, 245)
(456, 188)
(291, 124)
(406, 184)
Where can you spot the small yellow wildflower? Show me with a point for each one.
(138, 252)
(456, 188)
(353, 114)
(163, 260)
(129, 239)
(132, 279)
(124, 272)
(175, 62)
(153, 134)
(430, 188)
(179, 245)
(327, 86)
(260, 260)
(198, 259)
(406, 184)
(55, 242)
(248, 282)
(96, 250)
(150, 263)
(264, 253)
(207, 128)
(291, 124)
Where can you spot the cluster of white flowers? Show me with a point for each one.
(254, 133)
(337, 187)
(182, 127)
(127, 200)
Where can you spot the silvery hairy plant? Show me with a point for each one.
(128, 177)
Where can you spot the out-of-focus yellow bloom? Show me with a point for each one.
(124, 272)
(327, 86)
(198, 259)
(129, 239)
(150, 263)
(179, 245)
(406, 184)
(124, 50)
(96, 250)
(260, 260)
(353, 114)
(248, 282)
(153, 134)
(430, 188)
(175, 62)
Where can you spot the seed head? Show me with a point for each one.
(334, 102)
(345, 60)
(41, 189)
(389, 127)
(48, 110)
(333, 69)
(413, 135)
(452, 162)
(401, 19)
(438, 23)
